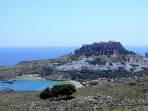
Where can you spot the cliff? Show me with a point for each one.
(102, 48)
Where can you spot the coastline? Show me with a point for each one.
(75, 83)
(37, 77)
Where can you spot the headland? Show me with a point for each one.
(113, 79)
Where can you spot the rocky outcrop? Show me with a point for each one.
(102, 48)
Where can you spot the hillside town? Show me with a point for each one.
(104, 56)
(131, 66)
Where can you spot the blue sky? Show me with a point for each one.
(43, 23)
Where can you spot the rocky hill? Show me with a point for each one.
(102, 48)
(105, 59)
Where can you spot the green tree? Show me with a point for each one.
(63, 90)
(55, 90)
(45, 93)
(58, 91)
(68, 89)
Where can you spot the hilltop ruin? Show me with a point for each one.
(102, 48)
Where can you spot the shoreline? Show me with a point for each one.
(37, 77)
(75, 83)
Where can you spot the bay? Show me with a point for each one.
(30, 85)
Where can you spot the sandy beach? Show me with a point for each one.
(36, 77)
(75, 83)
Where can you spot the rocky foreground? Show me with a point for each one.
(125, 96)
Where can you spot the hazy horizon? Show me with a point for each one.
(13, 55)
(72, 23)
(146, 46)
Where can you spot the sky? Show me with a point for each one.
(46, 23)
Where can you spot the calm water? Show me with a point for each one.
(139, 50)
(24, 85)
(11, 56)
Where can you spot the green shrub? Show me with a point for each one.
(58, 90)
(45, 93)
(63, 90)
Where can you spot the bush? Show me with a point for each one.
(67, 89)
(45, 93)
(58, 90)
(63, 90)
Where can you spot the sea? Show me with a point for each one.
(29, 85)
(12, 56)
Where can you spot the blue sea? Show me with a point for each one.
(25, 85)
(11, 56)
(140, 50)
